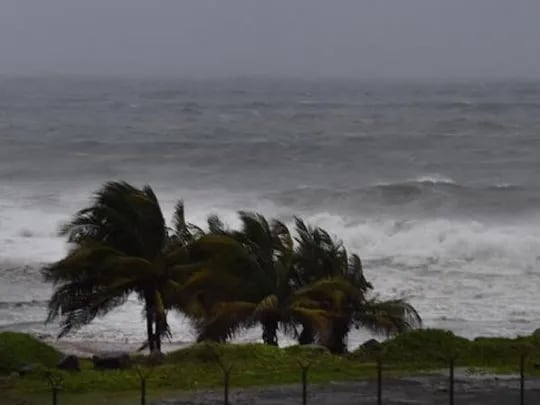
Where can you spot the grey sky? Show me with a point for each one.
(354, 38)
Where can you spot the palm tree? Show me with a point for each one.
(260, 292)
(250, 292)
(272, 246)
(330, 281)
(120, 246)
(219, 298)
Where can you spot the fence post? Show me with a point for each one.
(55, 382)
(522, 379)
(142, 380)
(451, 388)
(54, 395)
(143, 391)
(379, 380)
(226, 382)
(305, 368)
(144, 374)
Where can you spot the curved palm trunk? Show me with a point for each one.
(153, 331)
(337, 339)
(150, 330)
(307, 336)
(270, 327)
(160, 331)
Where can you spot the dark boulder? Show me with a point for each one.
(26, 369)
(536, 333)
(111, 361)
(370, 346)
(69, 363)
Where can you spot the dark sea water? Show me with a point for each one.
(435, 185)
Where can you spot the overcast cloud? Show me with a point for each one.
(352, 38)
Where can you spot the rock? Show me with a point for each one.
(69, 363)
(111, 361)
(536, 333)
(370, 346)
(26, 369)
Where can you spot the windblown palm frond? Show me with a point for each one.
(317, 254)
(183, 231)
(388, 317)
(355, 274)
(121, 246)
(217, 227)
(225, 320)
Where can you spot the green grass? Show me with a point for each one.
(432, 347)
(18, 350)
(199, 367)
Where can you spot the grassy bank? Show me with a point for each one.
(198, 367)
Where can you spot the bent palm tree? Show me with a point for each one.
(261, 292)
(334, 284)
(272, 246)
(120, 246)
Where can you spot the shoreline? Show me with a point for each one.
(86, 349)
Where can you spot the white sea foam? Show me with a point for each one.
(475, 277)
(435, 178)
(460, 274)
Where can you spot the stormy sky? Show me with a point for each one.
(312, 38)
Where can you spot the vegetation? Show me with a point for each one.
(121, 246)
(18, 350)
(302, 282)
(197, 367)
(223, 280)
(429, 347)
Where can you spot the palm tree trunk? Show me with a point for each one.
(150, 330)
(150, 319)
(270, 327)
(307, 336)
(157, 336)
(340, 331)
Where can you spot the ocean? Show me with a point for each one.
(436, 185)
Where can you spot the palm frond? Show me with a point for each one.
(389, 317)
(355, 273)
(268, 306)
(225, 320)
(183, 231)
(216, 225)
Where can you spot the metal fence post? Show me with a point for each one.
(379, 381)
(226, 382)
(305, 368)
(143, 391)
(54, 395)
(522, 379)
(451, 388)
(55, 382)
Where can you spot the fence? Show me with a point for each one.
(304, 367)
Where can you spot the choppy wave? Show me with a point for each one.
(436, 178)
(449, 269)
(421, 196)
(472, 247)
(435, 185)
(21, 304)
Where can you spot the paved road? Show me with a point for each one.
(426, 390)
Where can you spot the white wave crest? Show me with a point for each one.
(435, 178)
